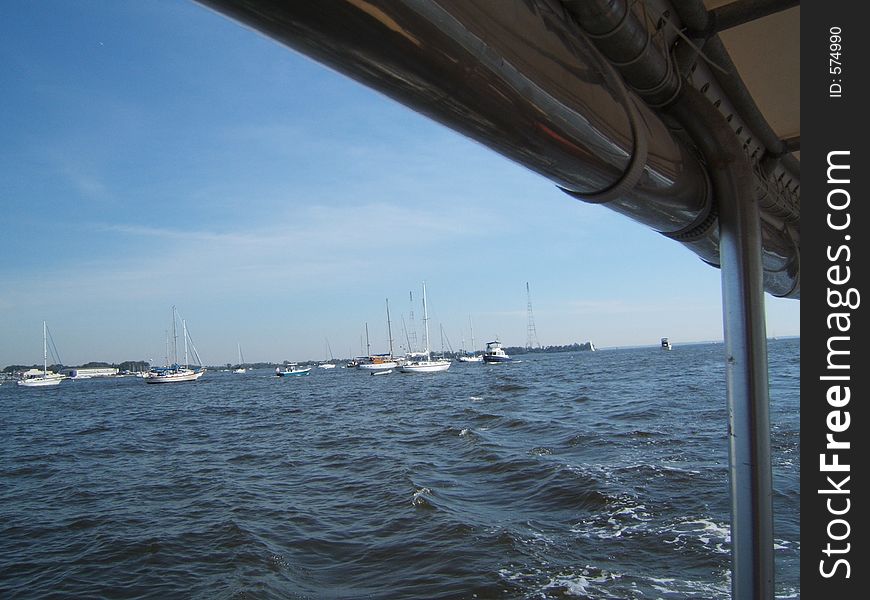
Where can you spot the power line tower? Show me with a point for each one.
(532, 334)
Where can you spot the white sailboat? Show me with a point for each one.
(328, 364)
(425, 365)
(176, 373)
(45, 378)
(241, 368)
(472, 356)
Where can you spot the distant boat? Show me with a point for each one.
(291, 370)
(327, 364)
(494, 353)
(666, 345)
(380, 362)
(471, 357)
(173, 374)
(419, 364)
(176, 373)
(591, 346)
(34, 378)
(241, 368)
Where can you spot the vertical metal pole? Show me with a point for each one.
(745, 346)
(748, 399)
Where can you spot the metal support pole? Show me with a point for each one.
(745, 347)
(747, 389)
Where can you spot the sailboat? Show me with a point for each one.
(471, 356)
(379, 363)
(176, 373)
(419, 364)
(241, 368)
(45, 379)
(328, 364)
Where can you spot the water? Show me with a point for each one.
(586, 475)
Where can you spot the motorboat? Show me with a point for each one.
(494, 353)
(292, 369)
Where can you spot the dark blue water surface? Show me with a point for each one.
(586, 475)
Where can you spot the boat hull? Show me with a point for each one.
(496, 359)
(40, 381)
(470, 359)
(174, 376)
(425, 367)
(375, 367)
(299, 373)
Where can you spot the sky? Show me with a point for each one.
(157, 154)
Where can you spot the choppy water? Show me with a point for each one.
(592, 475)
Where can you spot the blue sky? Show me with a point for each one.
(158, 154)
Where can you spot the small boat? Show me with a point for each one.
(591, 346)
(384, 372)
(424, 363)
(34, 378)
(473, 356)
(494, 353)
(470, 358)
(241, 368)
(292, 369)
(666, 345)
(327, 364)
(378, 362)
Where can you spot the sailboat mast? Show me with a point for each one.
(426, 322)
(44, 352)
(471, 324)
(184, 327)
(368, 345)
(174, 338)
(389, 328)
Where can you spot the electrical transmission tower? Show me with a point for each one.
(532, 334)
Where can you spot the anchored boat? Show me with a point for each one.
(494, 353)
(292, 370)
(177, 373)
